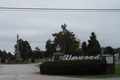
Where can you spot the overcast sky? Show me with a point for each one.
(37, 26)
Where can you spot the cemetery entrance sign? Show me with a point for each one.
(109, 59)
(70, 57)
(110, 67)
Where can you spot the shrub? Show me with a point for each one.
(2, 60)
(13, 58)
(24, 60)
(74, 67)
(9, 60)
(32, 60)
(17, 60)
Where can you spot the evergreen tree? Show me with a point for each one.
(1, 55)
(9, 55)
(93, 46)
(109, 50)
(50, 49)
(25, 49)
(4, 53)
(84, 48)
(37, 54)
(117, 50)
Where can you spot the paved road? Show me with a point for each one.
(30, 72)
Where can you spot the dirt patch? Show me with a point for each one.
(37, 72)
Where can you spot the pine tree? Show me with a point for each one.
(37, 54)
(25, 49)
(49, 49)
(84, 48)
(93, 46)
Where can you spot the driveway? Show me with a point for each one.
(31, 72)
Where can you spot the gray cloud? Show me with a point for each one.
(37, 27)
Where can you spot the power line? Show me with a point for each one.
(57, 9)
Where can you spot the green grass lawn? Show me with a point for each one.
(116, 75)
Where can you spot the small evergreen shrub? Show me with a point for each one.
(74, 67)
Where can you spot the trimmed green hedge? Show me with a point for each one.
(74, 67)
